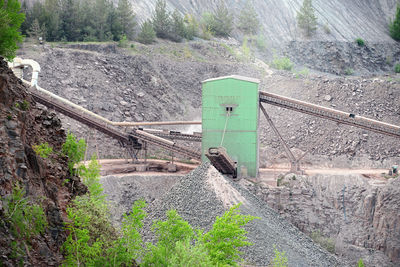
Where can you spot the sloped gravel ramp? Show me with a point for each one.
(204, 194)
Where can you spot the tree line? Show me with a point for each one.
(102, 20)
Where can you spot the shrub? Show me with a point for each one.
(123, 42)
(394, 26)
(260, 42)
(397, 68)
(282, 63)
(246, 49)
(348, 71)
(327, 30)
(361, 263)
(147, 34)
(10, 22)
(360, 42)
(325, 242)
(24, 218)
(280, 259)
(75, 150)
(191, 27)
(43, 150)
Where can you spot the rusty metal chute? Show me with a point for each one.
(220, 159)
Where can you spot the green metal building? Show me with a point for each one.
(230, 115)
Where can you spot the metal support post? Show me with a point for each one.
(294, 164)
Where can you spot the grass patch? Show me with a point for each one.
(325, 242)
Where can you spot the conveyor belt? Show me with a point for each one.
(107, 129)
(179, 136)
(330, 114)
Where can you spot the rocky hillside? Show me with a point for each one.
(358, 214)
(346, 20)
(45, 181)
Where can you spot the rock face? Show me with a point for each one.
(23, 125)
(337, 20)
(361, 214)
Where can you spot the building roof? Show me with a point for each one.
(237, 77)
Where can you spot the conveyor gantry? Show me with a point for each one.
(92, 122)
(330, 114)
(221, 161)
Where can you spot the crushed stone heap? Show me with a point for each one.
(204, 194)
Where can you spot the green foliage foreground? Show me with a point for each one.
(10, 22)
(93, 241)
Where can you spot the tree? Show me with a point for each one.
(10, 22)
(36, 30)
(126, 18)
(394, 26)
(248, 20)
(147, 33)
(161, 20)
(177, 27)
(306, 18)
(191, 27)
(222, 23)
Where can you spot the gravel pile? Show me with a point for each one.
(204, 194)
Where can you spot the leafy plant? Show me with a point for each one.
(280, 259)
(325, 242)
(397, 68)
(282, 63)
(260, 42)
(91, 177)
(246, 49)
(123, 42)
(227, 236)
(360, 42)
(191, 27)
(349, 71)
(25, 219)
(10, 22)
(43, 150)
(361, 263)
(75, 150)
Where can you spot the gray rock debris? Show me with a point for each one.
(198, 203)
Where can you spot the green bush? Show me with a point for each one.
(75, 150)
(348, 71)
(24, 218)
(43, 150)
(123, 42)
(397, 68)
(10, 22)
(282, 63)
(325, 242)
(280, 259)
(260, 42)
(361, 263)
(147, 34)
(360, 42)
(191, 27)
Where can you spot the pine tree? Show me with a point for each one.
(248, 20)
(10, 22)
(177, 27)
(223, 21)
(36, 30)
(191, 27)
(161, 20)
(126, 18)
(394, 26)
(147, 33)
(306, 18)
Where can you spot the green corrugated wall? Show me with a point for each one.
(241, 135)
